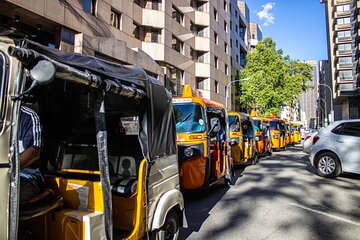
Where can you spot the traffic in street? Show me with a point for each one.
(281, 197)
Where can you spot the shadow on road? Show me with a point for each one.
(275, 181)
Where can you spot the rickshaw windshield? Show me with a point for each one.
(234, 124)
(189, 118)
(274, 126)
(257, 125)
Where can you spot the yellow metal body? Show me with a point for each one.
(193, 172)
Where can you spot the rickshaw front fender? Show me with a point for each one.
(167, 202)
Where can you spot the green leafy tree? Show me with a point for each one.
(274, 80)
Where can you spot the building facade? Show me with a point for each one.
(308, 100)
(255, 34)
(197, 42)
(343, 34)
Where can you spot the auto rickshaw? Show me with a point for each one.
(297, 131)
(277, 132)
(289, 133)
(108, 159)
(262, 141)
(243, 148)
(201, 127)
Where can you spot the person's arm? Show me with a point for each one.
(29, 156)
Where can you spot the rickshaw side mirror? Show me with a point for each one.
(43, 72)
(215, 125)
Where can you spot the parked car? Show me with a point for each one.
(308, 141)
(336, 149)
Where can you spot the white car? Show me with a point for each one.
(308, 142)
(336, 149)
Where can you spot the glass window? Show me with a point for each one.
(177, 44)
(200, 83)
(3, 87)
(234, 124)
(274, 125)
(215, 14)
(343, 8)
(189, 118)
(346, 87)
(344, 47)
(216, 59)
(226, 47)
(345, 60)
(216, 38)
(89, 6)
(257, 126)
(115, 19)
(225, 26)
(226, 69)
(346, 74)
(216, 86)
(225, 6)
(343, 34)
(343, 20)
(177, 15)
(352, 129)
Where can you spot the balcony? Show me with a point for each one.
(342, 14)
(344, 79)
(202, 70)
(343, 66)
(339, 2)
(346, 87)
(155, 50)
(202, 18)
(339, 27)
(343, 40)
(343, 53)
(153, 18)
(202, 44)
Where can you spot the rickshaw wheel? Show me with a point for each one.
(170, 229)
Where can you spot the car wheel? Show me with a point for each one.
(170, 229)
(328, 165)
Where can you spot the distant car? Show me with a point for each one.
(336, 149)
(308, 141)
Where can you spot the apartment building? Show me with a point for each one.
(255, 35)
(343, 34)
(197, 42)
(308, 100)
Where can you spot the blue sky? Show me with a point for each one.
(297, 26)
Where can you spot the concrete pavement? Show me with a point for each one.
(279, 198)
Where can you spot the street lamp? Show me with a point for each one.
(227, 89)
(331, 102)
(325, 122)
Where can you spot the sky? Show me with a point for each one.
(297, 26)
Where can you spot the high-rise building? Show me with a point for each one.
(255, 34)
(202, 43)
(308, 100)
(342, 33)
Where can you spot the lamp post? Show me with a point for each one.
(325, 122)
(331, 102)
(227, 89)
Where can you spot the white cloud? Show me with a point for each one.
(266, 14)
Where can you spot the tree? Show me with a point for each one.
(274, 80)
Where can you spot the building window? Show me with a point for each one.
(344, 34)
(236, 14)
(237, 43)
(225, 26)
(216, 86)
(136, 31)
(344, 47)
(174, 80)
(67, 36)
(346, 75)
(89, 6)
(226, 70)
(200, 83)
(231, 43)
(237, 58)
(343, 21)
(154, 35)
(216, 59)
(216, 15)
(177, 15)
(176, 44)
(236, 28)
(115, 19)
(138, 2)
(230, 25)
(345, 60)
(216, 37)
(343, 8)
(225, 6)
(226, 47)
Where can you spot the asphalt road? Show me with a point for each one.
(279, 198)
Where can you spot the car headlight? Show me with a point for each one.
(276, 136)
(257, 138)
(189, 151)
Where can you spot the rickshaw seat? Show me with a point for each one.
(124, 187)
(40, 205)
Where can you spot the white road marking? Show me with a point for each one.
(327, 214)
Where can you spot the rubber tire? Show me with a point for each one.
(167, 232)
(337, 170)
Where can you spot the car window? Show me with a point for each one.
(352, 129)
(338, 129)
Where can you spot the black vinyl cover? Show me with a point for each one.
(157, 122)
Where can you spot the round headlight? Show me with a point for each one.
(276, 136)
(257, 138)
(188, 151)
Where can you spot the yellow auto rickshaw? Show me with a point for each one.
(108, 159)
(289, 133)
(297, 131)
(262, 138)
(242, 139)
(277, 132)
(201, 127)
